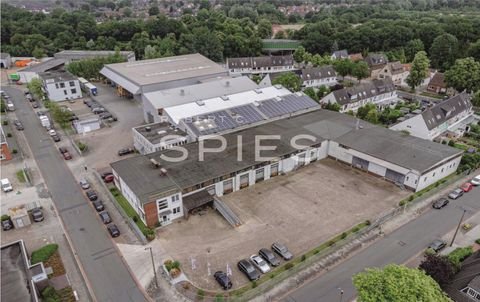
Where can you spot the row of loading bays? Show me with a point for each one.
(390, 175)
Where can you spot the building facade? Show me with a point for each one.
(61, 86)
(319, 76)
(260, 65)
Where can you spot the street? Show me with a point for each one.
(107, 275)
(418, 97)
(396, 247)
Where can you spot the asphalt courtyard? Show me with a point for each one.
(302, 210)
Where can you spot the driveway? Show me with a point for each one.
(302, 210)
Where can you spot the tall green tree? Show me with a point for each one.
(311, 93)
(264, 29)
(299, 54)
(151, 52)
(464, 75)
(412, 48)
(396, 283)
(289, 80)
(474, 50)
(153, 10)
(419, 70)
(439, 268)
(360, 70)
(444, 51)
(343, 67)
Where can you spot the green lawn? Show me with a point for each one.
(128, 209)
(21, 176)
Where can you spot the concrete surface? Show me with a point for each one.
(301, 209)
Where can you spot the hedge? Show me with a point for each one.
(459, 254)
(42, 254)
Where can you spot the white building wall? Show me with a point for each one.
(27, 76)
(415, 126)
(174, 205)
(438, 173)
(332, 81)
(65, 93)
(338, 152)
(131, 198)
(377, 169)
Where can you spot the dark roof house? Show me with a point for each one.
(465, 286)
(376, 60)
(446, 110)
(317, 73)
(340, 54)
(363, 91)
(260, 62)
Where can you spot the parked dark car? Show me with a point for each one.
(73, 117)
(98, 204)
(7, 224)
(105, 115)
(37, 215)
(108, 178)
(35, 104)
(92, 195)
(125, 151)
(437, 245)
(105, 217)
(438, 204)
(282, 250)
(98, 110)
(62, 149)
(18, 125)
(269, 256)
(113, 230)
(223, 280)
(56, 138)
(455, 194)
(248, 269)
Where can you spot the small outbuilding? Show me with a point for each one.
(87, 125)
(19, 216)
(5, 60)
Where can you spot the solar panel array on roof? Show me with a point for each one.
(232, 118)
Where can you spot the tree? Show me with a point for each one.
(151, 52)
(343, 67)
(332, 107)
(264, 29)
(153, 10)
(299, 54)
(474, 50)
(360, 70)
(323, 91)
(438, 267)
(127, 12)
(289, 80)
(280, 35)
(464, 75)
(412, 48)
(443, 52)
(372, 116)
(419, 70)
(396, 283)
(311, 93)
(476, 99)
(363, 111)
(35, 87)
(38, 53)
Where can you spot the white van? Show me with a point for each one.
(6, 185)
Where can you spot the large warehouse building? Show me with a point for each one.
(162, 190)
(139, 77)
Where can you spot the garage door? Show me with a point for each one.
(394, 176)
(360, 163)
(244, 181)
(227, 186)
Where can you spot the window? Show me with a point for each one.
(425, 179)
(162, 204)
(62, 85)
(65, 92)
(72, 84)
(406, 178)
(56, 85)
(176, 210)
(175, 198)
(442, 170)
(74, 91)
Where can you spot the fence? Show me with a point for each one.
(133, 226)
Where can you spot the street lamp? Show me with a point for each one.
(153, 265)
(458, 226)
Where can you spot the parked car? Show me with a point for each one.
(6, 185)
(105, 174)
(52, 132)
(457, 193)
(125, 151)
(7, 224)
(89, 103)
(466, 187)
(260, 263)
(62, 149)
(105, 217)
(35, 104)
(269, 256)
(92, 195)
(223, 280)
(72, 118)
(248, 269)
(84, 184)
(113, 230)
(67, 155)
(98, 205)
(18, 125)
(476, 181)
(440, 203)
(98, 110)
(56, 138)
(37, 215)
(109, 178)
(105, 115)
(437, 245)
(282, 250)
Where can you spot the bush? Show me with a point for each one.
(304, 257)
(343, 236)
(9, 134)
(459, 254)
(135, 218)
(356, 229)
(368, 222)
(200, 294)
(476, 241)
(42, 254)
(174, 272)
(5, 123)
(50, 294)
(402, 203)
(83, 147)
(330, 243)
(6, 217)
(316, 252)
(254, 284)
(451, 143)
(410, 198)
(149, 233)
(219, 298)
(14, 151)
(429, 251)
(288, 266)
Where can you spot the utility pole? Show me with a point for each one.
(341, 294)
(458, 226)
(153, 265)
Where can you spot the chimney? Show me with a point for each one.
(148, 128)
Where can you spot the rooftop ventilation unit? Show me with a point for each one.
(257, 90)
(148, 129)
(200, 103)
(298, 93)
(161, 132)
(278, 99)
(225, 97)
(163, 172)
(256, 103)
(155, 163)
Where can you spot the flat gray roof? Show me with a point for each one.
(407, 151)
(133, 75)
(157, 131)
(57, 76)
(91, 53)
(209, 89)
(44, 66)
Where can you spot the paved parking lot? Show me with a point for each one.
(302, 210)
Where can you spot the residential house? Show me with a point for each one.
(394, 71)
(437, 85)
(60, 86)
(355, 57)
(318, 76)
(465, 285)
(376, 62)
(382, 93)
(260, 65)
(437, 120)
(340, 55)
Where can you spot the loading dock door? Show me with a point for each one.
(244, 181)
(360, 163)
(394, 176)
